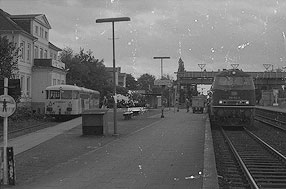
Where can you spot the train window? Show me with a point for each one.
(234, 81)
(54, 94)
(223, 81)
(84, 96)
(75, 94)
(66, 94)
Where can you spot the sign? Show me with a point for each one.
(7, 105)
(165, 82)
(14, 88)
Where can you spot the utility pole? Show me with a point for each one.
(162, 57)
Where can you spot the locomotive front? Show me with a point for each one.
(233, 99)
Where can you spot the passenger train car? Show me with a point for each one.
(233, 99)
(68, 100)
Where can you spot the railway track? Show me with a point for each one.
(14, 131)
(230, 174)
(263, 166)
(275, 119)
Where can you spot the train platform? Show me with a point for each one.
(273, 108)
(150, 152)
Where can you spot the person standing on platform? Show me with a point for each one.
(188, 104)
(104, 102)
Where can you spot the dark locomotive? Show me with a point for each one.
(232, 99)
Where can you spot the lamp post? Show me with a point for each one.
(162, 57)
(113, 20)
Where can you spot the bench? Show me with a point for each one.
(127, 115)
(135, 112)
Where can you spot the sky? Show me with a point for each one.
(215, 33)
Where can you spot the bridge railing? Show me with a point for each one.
(256, 75)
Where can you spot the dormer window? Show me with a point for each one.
(46, 35)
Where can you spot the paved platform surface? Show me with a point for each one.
(150, 152)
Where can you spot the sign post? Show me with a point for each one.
(7, 108)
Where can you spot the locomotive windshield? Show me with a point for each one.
(237, 82)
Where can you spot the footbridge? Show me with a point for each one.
(187, 82)
(262, 80)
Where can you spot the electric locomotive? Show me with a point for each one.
(233, 99)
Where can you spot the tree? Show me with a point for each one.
(181, 67)
(146, 82)
(8, 59)
(85, 70)
(131, 83)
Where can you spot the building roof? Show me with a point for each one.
(40, 18)
(7, 25)
(52, 46)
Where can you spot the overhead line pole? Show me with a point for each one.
(162, 57)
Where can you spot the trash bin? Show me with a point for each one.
(94, 122)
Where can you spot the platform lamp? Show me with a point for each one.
(162, 57)
(113, 20)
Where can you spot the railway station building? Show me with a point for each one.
(38, 61)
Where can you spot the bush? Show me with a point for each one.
(24, 113)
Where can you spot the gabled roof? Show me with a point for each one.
(8, 25)
(40, 18)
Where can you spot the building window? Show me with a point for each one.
(55, 56)
(22, 84)
(28, 86)
(22, 50)
(46, 35)
(46, 54)
(41, 53)
(51, 54)
(54, 81)
(36, 30)
(29, 52)
(36, 55)
(41, 32)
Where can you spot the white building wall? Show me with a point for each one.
(41, 49)
(57, 78)
(41, 79)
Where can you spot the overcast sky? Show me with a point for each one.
(217, 33)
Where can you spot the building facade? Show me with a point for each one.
(38, 62)
(120, 78)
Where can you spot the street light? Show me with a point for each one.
(112, 20)
(162, 57)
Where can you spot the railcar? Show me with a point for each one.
(69, 100)
(232, 99)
